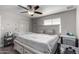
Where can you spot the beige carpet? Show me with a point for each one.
(5, 52)
(8, 50)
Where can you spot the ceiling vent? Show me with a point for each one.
(70, 7)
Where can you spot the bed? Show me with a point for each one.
(36, 43)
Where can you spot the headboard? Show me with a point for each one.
(53, 29)
(50, 32)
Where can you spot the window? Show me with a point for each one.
(52, 21)
(47, 22)
(56, 21)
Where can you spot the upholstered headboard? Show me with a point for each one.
(53, 29)
(50, 32)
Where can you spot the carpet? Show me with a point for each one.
(5, 52)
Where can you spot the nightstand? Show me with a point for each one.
(8, 40)
(69, 40)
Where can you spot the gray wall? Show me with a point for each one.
(68, 22)
(12, 20)
(77, 22)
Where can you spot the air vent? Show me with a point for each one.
(70, 7)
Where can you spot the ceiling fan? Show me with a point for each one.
(31, 9)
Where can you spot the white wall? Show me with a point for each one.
(77, 21)
(12, 20)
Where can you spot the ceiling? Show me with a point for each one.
(45, 9)
(50, 9)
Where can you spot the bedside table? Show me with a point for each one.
(8, 40)
(69, 40)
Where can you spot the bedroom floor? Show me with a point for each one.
(8, 50)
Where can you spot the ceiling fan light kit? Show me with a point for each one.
(31, 10)
(31, 13)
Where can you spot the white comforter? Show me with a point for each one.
(41, 42)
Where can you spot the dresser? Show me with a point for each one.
(69, 40)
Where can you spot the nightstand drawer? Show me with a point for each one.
(69, 42)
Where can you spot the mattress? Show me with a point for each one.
(41, 42)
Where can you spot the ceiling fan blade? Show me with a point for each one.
(24, 12)
(38, 12)
(30, 6)
(23, 7)
(36, 7)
